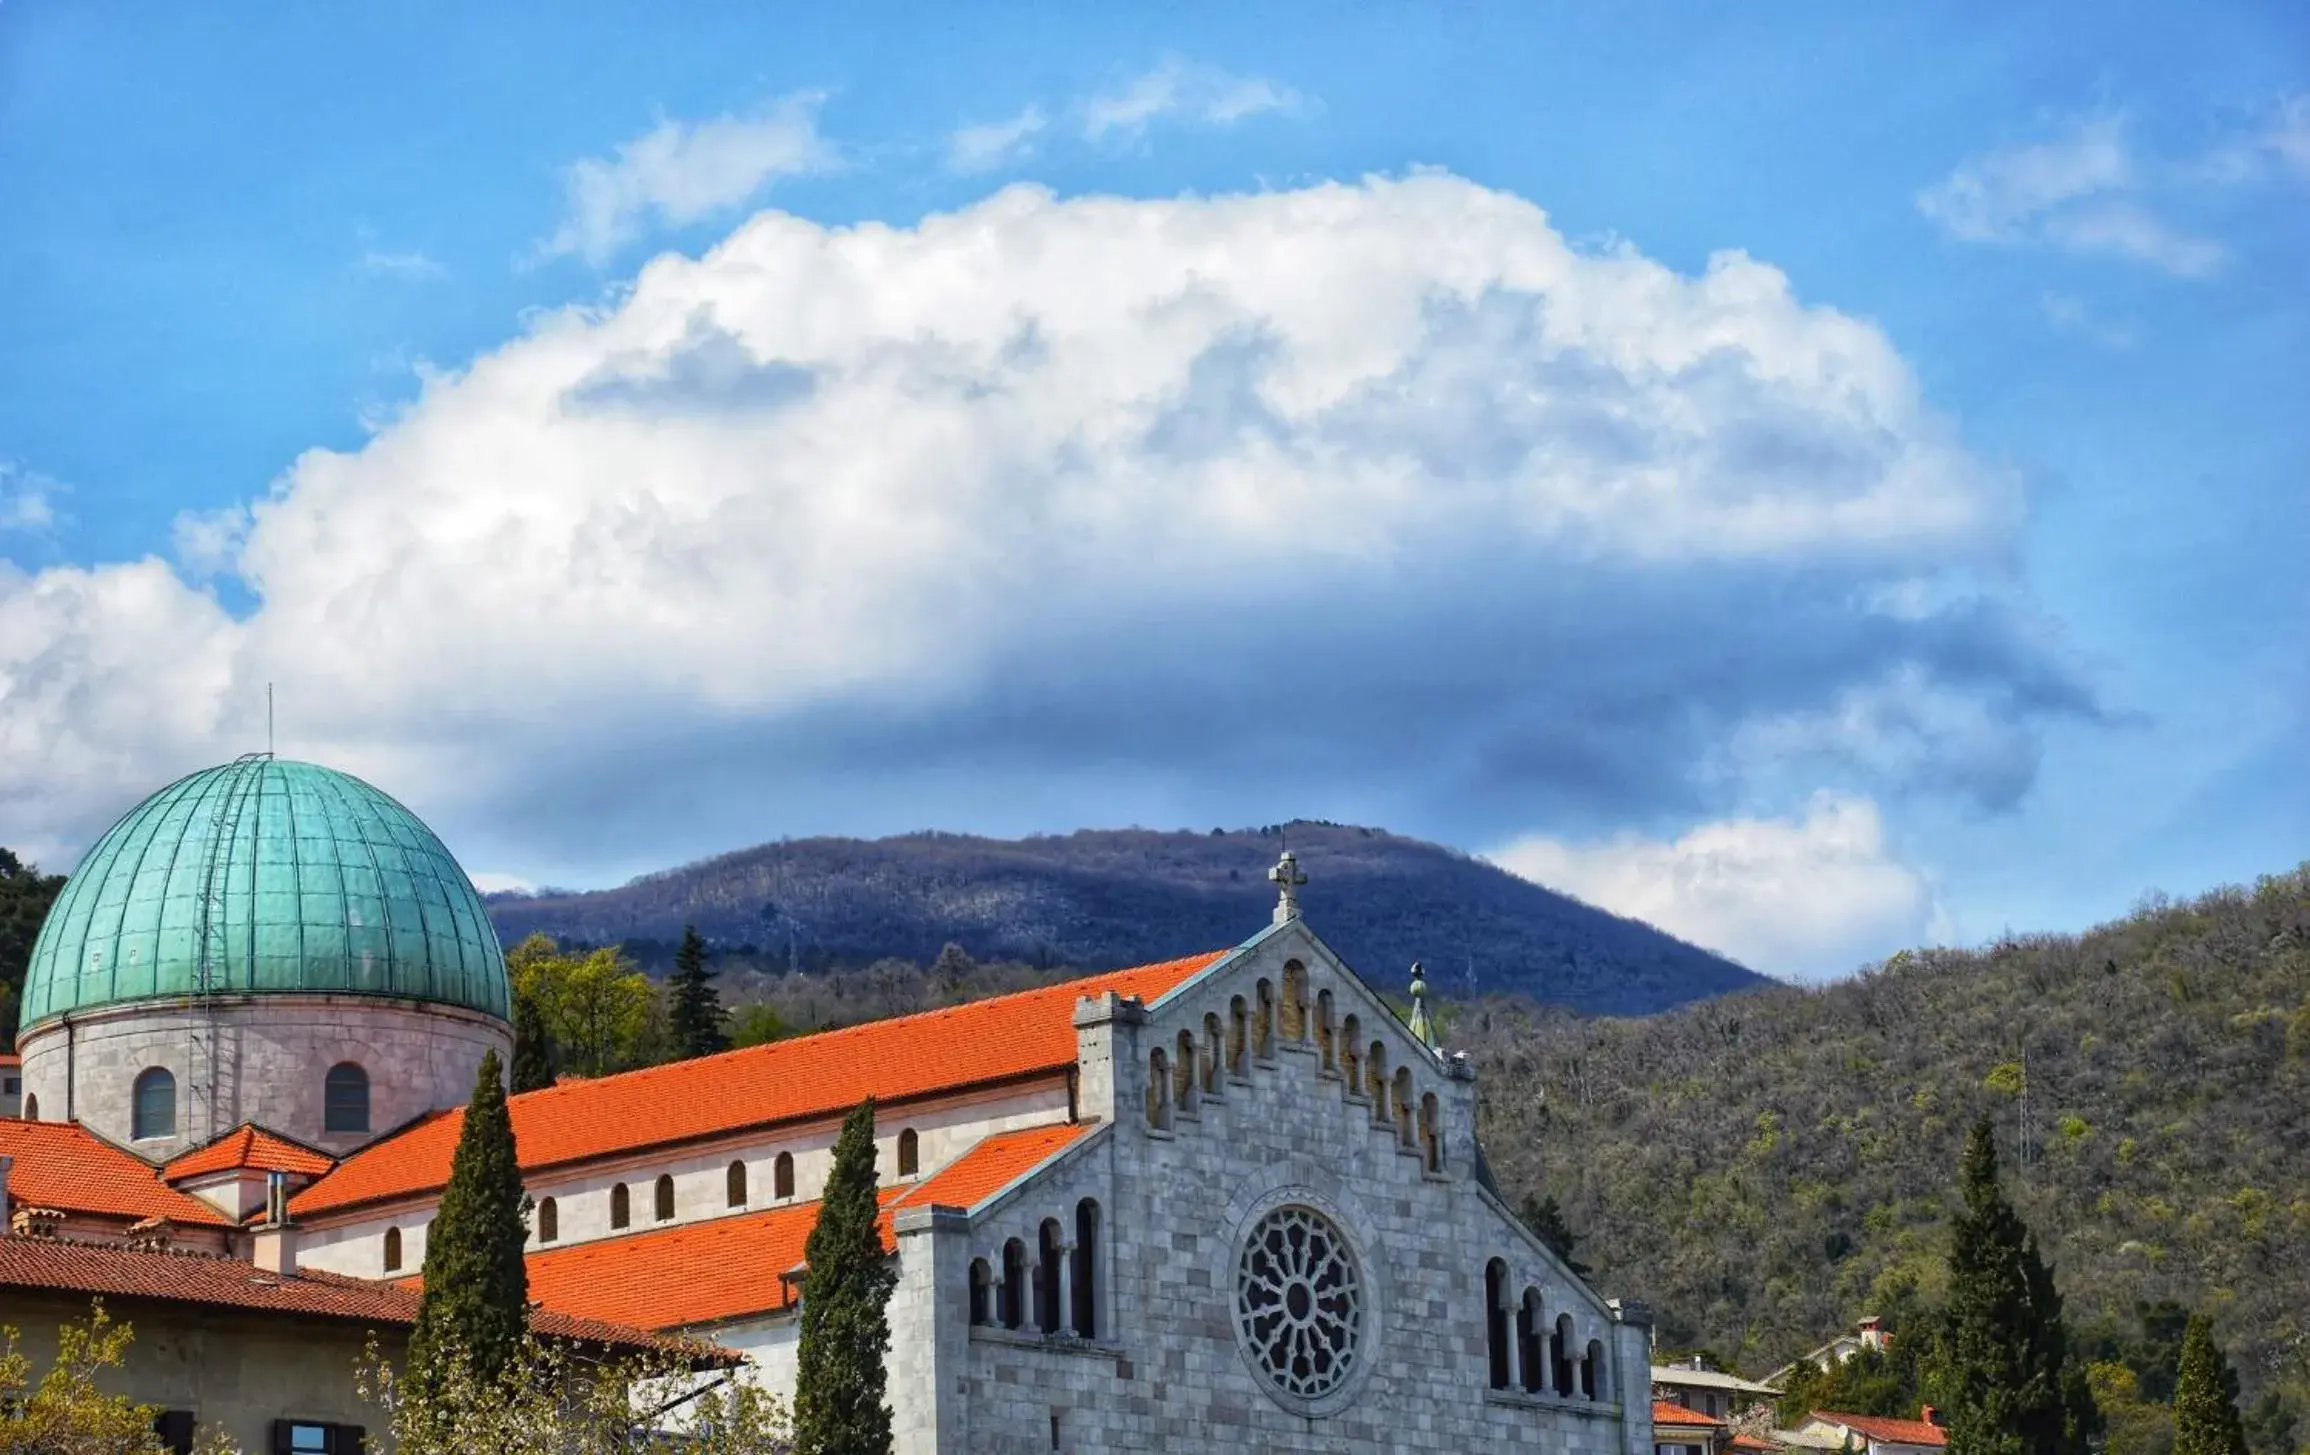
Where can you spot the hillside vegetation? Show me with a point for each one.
(1100, 899)
(1766, 1168)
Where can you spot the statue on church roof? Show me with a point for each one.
(1423, 1025)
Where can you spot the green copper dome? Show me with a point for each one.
(266, 876)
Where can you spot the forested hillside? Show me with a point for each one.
(1099, 899)
(1766, 1168)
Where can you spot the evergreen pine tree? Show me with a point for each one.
(476, 1301)
(2206, 1418)
(839, 1381)
(2002, 1370)
(533, 1049)
(696, 1014)
(1546, 1220)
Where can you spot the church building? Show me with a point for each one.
(1227, 1201)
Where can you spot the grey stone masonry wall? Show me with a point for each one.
(1182, 1178)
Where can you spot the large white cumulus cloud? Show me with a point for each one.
(1380, 483)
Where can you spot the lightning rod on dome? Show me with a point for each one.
(268, 719)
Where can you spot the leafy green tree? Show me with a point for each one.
(695, 1010)
(475, 1308)
(2002, 1370)
(533, 1047)
(839, 1384)
(2206, 1397)
(597, 1007)
(757, 1024)
(25, 895)
(65, 1411)
(1872, 1382)
(1546, 1220)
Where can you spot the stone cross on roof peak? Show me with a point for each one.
(1287, 879)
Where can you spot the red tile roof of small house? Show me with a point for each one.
(249, 1147)
(64, 1166)
(1892, 1431)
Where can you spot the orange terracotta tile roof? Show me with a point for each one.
(1668, 1412)
(1007, 1038)
(1878, 1427)
(63, 1166)
(731, 1267)
(249, 1147)
(1750, 1442)
(222, 1282)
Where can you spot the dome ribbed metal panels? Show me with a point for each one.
(263, 876)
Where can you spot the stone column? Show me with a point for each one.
(930, 1331)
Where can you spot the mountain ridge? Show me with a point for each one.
(1096, 898)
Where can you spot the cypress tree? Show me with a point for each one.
(696, 1014)
(839, 1381)
(533, 1048)
(2206, 1418)
(476, 1301)
(2002, 1370)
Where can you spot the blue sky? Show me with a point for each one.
(1821, 479)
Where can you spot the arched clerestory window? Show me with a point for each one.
(1560, 1355)
(909, 1153)
(1376, 1080)
(1159, 1090)
(1050, 1258)
(1014, 1288)
(1496, 1321)
(1082, 1287)
(1403, 1106)
(1532, 1342)
(152, 1111)
(1592, 1370)
(663, 1201)
(1431, 1133)
(31, 1108)
(1263, 1022)
(1351, 1055)
(982, 1292)
(734, 1184)
(1213, 1038)
(548, 1220)
(1326, 1034)
(1238, 1037)
(621, 1206)
(1183, 1074)
(345, 1099)
(392, 1250)
(782, 1176)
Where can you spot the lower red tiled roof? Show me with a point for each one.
(1006, 1038)
(223, 1282)
(252, 1148)
(62, 1165)
(1666, 1412)
(1879, 1427)
(732, 1267)
(1750, 1442)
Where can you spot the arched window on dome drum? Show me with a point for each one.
(664, 1200)
(548, 1220)
(153, 1112)
(621, 1206)
(909, 1153)
(345, 1099)
(392, 1250)
(782, 1175)
(1081, 1285)
(1496, 1320)
(735, 1179)
(31, 1108)
(1014, 1293)
(982, 1292)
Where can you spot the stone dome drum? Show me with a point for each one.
(265, 876)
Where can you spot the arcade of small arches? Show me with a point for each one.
(546, 1224)
(1529, 1354)
(1190, 1068)
(1056, 1292)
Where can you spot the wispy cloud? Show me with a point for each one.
(994, 144)
(680, 172)
(2081, 192)
(2288, 138)
(27, 500)
(2070, 315)
(410, 265)
(1183, 90)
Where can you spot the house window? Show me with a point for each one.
(172, 1430)
(345, 1099)
(311, 1437)
(154, 1111)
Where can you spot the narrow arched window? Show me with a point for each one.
(153, 1113)
(1326, 1037)
(1592, 1370)
(1376, 1080)
(548, 1220)
(1403, 1106)
(621, 1206)
(392, 1250)
(1431, 1133)
(1263, 1022)
(663, 1202)
(1183, 1074)
(1238, 1028)
(31, 1108)
(734, 1184)
(982, 1291)
(345, 1099)
(1014, 1292)
(1351, 1055)
(1532, 1342)
(1051, 1252)
(1294, 1003)
(1158, 1090)
(782, 1175)
(1496, 1321)
(1560, 1353)
(909, 1153)
(1212, 1037)
(1082, 1287)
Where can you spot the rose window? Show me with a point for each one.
(1299, 1302)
